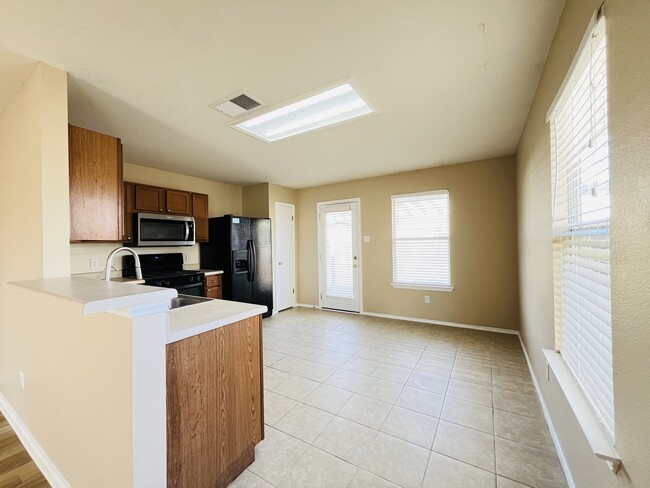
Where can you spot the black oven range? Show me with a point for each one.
(166, 270)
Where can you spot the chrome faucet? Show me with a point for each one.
(109, 262)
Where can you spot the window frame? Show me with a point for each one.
(443, 287)
(576, 234)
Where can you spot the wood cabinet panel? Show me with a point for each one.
(213, 288)
(149, 199)
(95, 164)
(129, 210)
(200, 213)
(178, 202)
(214, 405)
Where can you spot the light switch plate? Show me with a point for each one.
(366, 238)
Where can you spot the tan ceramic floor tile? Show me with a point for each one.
(465, 444)
(276, 406)
(379, 389)
(249, 480)
(328, 398)
(275, 455)
(410, 426)
(468, 414)
(364, 479)
(346, 380)
(318, 469)
(470, 392)
(346, 440)
(396, 460)
(526, 430)
(304, 422)
(366, 411)
(421, 401)
(445, 472)
(296, 387)
(528, 465)
(427, 381)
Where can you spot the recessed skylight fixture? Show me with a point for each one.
(326, 108)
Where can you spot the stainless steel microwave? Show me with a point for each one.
(163, 230)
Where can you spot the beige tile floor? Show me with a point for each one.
(364, 402)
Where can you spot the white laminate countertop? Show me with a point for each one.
(101, 295)
(207, 272)
(189, 321)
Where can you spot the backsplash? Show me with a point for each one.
(82, 253)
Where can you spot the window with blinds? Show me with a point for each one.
(421, 240)
(338, 254)
(581, 204)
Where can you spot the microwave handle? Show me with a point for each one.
(187, 231)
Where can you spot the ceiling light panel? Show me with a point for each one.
(327, 108)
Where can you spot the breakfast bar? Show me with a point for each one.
(194, 409)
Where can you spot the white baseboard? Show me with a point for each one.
(549, 422)
(424, 321)
(38, 455)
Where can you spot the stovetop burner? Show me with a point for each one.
(162, 270)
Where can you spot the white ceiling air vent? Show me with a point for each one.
(237, 104)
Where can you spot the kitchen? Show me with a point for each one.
(83, 368)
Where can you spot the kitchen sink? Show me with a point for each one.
(187, 300)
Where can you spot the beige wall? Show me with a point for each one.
(223, 197)
(629, 126)
(483, 243)
(255, 200)
(76, 401)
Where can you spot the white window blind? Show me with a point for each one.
(338, 252)
(581, 204)
(421, 240)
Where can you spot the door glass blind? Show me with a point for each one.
(338, 254)
(581, 210)
(421, 239)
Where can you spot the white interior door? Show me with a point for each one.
(285, 256)
(339, 257)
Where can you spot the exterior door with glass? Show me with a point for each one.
(339, 255)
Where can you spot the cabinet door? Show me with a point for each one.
(215, 406)
(129, 209)
(95, 186)
(178, 202)
(149, 199)
(200, 213)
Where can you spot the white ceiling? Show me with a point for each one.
(452, 80)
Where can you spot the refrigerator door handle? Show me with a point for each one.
(252, 263)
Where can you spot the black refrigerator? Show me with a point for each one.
(241, 247)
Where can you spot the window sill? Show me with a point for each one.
(409, 286)
(593, 430)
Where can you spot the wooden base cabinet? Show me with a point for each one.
(214, 405)
(213, 286)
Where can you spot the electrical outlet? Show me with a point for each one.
(22, 379)
(427, 299)
(366, 238)
(94, 264)
(186, 257)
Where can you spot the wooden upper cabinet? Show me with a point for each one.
(129, 209)
(95, 164)
(149, 199)
(200, 213)
(178, 202)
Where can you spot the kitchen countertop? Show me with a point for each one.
(104, 296)
(192, 320)
(196, 267)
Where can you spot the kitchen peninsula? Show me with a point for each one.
(183, 397)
